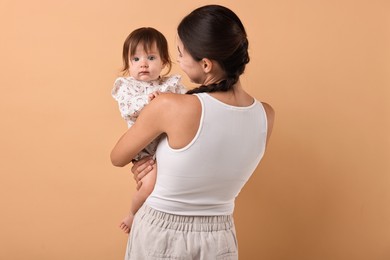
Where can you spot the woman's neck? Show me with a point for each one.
(237, 96)
(215, 75)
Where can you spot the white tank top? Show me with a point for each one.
(205, 177)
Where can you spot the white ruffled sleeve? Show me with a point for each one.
(130, 98)
(172, 84)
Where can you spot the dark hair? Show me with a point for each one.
(215, 32)
(146, 36)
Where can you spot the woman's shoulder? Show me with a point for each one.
(177, 113)
(175, 104)
(174, 99)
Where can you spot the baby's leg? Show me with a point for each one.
(139, 198)
(145, 190)
(126, 223)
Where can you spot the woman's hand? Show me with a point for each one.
(141, 168)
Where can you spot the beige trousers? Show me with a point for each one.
(158, 235)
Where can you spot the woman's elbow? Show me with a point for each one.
(116, 161)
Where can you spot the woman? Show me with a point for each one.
(214, 139)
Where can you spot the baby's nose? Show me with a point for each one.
(144, 64)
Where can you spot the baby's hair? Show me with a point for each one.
(146, 36)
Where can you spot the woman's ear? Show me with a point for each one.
(207, 65)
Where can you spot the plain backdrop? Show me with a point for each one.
(322, 191)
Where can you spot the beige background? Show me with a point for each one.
(322, 190)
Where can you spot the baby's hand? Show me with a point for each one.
(153, 95)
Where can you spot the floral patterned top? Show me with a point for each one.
(132, 95)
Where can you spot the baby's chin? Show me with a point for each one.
(146, 78)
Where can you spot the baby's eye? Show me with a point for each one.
(135, 59)
(151, 57)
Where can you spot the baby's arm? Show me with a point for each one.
(139, 198)
(130, 99)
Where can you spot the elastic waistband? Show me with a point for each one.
(185, 223)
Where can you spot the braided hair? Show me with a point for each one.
(215, 32)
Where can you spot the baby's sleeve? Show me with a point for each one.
(173, 84)
(180, 88)
(130, 99)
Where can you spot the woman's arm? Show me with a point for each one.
(176, 115)
(147, 127)
(270, 118)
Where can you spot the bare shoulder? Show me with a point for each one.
(175, 97)
(178, 108)
(176, 102)
(179, 117)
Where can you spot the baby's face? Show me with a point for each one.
(146, 66)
